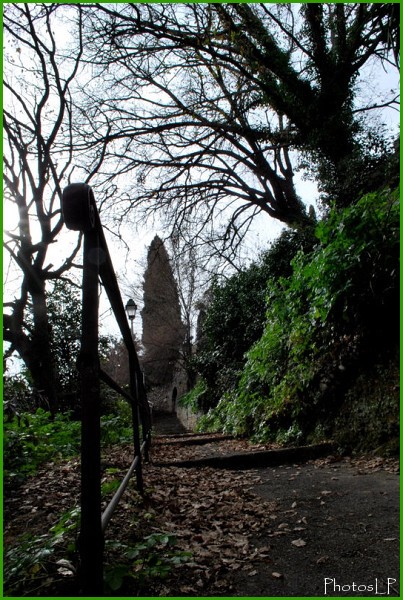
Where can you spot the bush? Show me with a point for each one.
(32, 439)
(235, 316)
(338, 307)
(144, 563)
(117, 427)
(30, 566)
(194, 398)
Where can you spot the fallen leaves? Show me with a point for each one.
(362, 464)
(322, 559)
(212, 517)
(174, 449)
(277, 575)
(299, 543)
(215, 515)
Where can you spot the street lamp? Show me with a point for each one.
(131, 308)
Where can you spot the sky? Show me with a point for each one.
(129, 263)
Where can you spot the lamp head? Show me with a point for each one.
(131, 308)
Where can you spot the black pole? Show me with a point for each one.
(80, 214)
(91, 536)
(134, 391)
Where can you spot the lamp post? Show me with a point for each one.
(131, 308)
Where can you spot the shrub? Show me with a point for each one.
(339, 305)
(30, 566)
(194, 398)
(144, 562)
(235, 316)
(32, 439)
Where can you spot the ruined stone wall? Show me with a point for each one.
(187, 417)
(165, 399)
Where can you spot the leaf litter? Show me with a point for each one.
(215, 515)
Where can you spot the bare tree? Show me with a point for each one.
(193, 277)
(38, 157)
(204, 104)
(116, 363)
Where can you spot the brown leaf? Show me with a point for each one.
(299, 543)
(322, 559)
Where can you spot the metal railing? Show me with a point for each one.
(80, 214)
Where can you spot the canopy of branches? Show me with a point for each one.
(202, 112)
(209, 102)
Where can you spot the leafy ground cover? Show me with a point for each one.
(197, 532)
(31, 439)
(326, 326)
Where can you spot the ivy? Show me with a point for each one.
(236, 315)
(339, 300)
(152, 558)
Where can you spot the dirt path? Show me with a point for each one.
(285, 530)
(336, 529)
(333, 527)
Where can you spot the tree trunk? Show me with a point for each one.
(40, 360)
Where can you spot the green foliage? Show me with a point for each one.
(369, 418)
(17, 395)
(32, 439)
(152, 558)
(235, 316)
(373, 164)
(29, 565)
(117, 427)
(340, 302)
(110, 487)
(194, 398)
(37, 560)
(64, 314)
(24, 564)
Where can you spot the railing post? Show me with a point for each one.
(145, 418)
(134, 391)
(91, 537)
(80, 214)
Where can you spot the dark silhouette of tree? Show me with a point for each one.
(63, 301)
(40, 73)
(163, 331)
(37, 114)
(116, 361)
(208, 101)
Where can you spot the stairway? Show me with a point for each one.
(167, 424)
